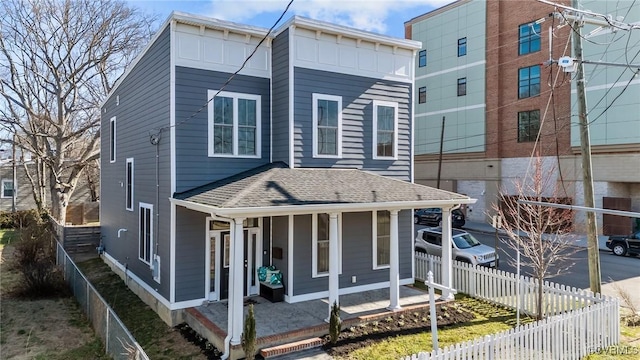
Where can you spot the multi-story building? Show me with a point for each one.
(488, 101)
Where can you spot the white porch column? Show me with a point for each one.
(334, 265)
(236, 278)
(447, 267)
(394, 262)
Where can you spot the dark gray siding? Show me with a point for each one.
(280, 233)
(357, 252)
(190, 254)
(143, 108)
(280, 88)
(193, 165)
(357, 119)
(266, 241)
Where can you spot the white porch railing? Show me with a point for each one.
(578, 323)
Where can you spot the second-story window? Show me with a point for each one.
(528, 125)
(327, 125)
(529, 81)
(129, 185)
(112, 139)
(7, 188)
(385, 133)
(529, 38)
(462, 46)
(234, 124)
(422, 95)
(422, 58)
(462, 86)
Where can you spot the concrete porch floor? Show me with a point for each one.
(282, 323)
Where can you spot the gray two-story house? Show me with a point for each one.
(226, 148)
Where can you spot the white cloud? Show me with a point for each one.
(371, 15)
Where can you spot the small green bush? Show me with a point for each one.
(334, 323)
(20, 219)
(249, 335)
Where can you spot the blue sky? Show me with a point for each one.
(379, 16)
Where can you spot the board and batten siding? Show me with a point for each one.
(140, 104)
(358, 94)
(357, 253)
(194, 167)
(190, 254)
(280, 89)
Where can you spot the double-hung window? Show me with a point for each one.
(385, 133)
(529, 38)
(234, 124)
(320, 245)
(129, 185)
(145, 232)
(528, 125)
(529, 81)
(381, 239)
(7, 188)
(462, 46)
(422, 58)
(327, 125)
(462, 86)
(112, 139)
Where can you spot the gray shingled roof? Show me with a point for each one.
(278, 185)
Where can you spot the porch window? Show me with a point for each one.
(145, 237)
(129, 185)
(381, 239)
(320, 249)
(385, 134)
(226, 244)
(234, 124)
(327, 125)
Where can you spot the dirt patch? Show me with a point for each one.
(402, 323)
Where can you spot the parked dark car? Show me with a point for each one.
(622, 245)
(433, 217)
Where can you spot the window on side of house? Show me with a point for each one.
(112, 139)
(145, 233)
(129, 185)
(385, 134)
(422, 95)
(462, 86)
(529, 38)
(234, 124)
(422, 58)
(381, 239)
(462, 46)
(528, 125)
(529, 81)
(327, 125)
(7, 188)
(320, 247)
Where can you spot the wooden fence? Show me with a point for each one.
(77, 239)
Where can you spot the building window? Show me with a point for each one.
(234, 124)
(145, 239)
(462, 86)
(381, 239)
(529, 38)
(385, 135)
(528, 125)
(320, 247)
(422, 58)
(112, 139)
(529, 81)
(462, 46)
(7, 188)
(422, 95)
(327, 125)
(129, 185)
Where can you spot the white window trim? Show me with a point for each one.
(4, 181)
(374, 229)
(150, 207)
(394, 105)
(112, 144)
(235, 96)
(314, 105)
(126, 179)
(314, 247)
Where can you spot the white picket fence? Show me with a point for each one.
(578, 323)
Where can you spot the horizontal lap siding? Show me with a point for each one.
(280, 233)
(357, 95)
(280, 74)
(141, 106)
(194, 167)
(190, 254)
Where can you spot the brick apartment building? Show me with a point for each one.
(482, 68)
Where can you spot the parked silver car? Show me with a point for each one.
(466, 248)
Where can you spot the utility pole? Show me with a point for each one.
(587, 176)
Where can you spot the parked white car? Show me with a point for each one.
(466, 248)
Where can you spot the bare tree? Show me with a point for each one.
(545, 247)
(58, 61)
